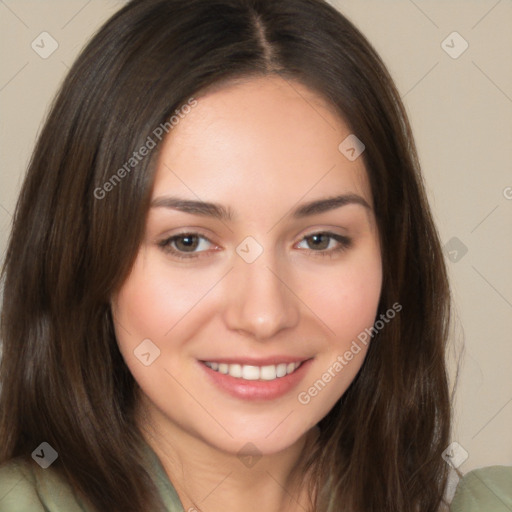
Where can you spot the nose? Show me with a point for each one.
(261, 301)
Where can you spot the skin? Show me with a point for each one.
(261, 147)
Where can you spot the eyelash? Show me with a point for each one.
(343, 241)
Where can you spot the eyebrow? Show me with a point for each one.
(221, 212)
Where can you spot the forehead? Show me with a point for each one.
(258, 141)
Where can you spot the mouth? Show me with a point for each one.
(268, 380)
(252, 372)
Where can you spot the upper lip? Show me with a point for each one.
(251, 361)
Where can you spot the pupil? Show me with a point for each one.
(189, 241)
(317, 238)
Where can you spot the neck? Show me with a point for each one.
(206, 478)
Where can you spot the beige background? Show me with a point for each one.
(461, 112)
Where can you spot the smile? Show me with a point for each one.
(256, 380)
(249, 372)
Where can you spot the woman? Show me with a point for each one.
(224, 289)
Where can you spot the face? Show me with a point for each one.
(261, 286)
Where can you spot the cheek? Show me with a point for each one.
(346, 299)
(153, 304)
(153, 300)
(346, 296)
(167, 305)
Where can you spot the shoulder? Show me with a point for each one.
(488, 489)
(27, 488)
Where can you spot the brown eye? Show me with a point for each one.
(319, 243)
(187, 243)
(184, 245)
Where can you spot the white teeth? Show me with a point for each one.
(268, 372)
(235, 370)
(248, 372)
(281, 369)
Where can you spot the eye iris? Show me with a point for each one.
(191, 242)
(318, 237)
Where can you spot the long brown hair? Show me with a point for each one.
(63, 379)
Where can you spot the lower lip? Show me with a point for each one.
(257, 389)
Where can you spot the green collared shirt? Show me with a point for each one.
(30, 488)
(484, 490)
